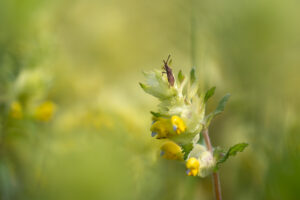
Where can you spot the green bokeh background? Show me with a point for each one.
(88, 56)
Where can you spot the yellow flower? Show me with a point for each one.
(16, 110)
(45, 111)
(171, 151)
(178, 124)
(162, 128)
(192, 165)
(167, 127)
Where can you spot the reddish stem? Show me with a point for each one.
(215, 175)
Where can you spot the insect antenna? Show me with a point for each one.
(166, 62)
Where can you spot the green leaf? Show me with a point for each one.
(222, 104)
(192, 75)
(232, 152)
(170, 62)
(186, 149)
(143, 86)
(220, 108)
(209, 94)
(155, 114)
(180, 76)
(218, 153)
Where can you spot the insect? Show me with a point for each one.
(168, 71)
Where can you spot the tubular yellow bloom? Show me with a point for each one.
(178, 124)
(162, 128)
(192, 165)
(16, 110)
(171, 151)
(45, 111)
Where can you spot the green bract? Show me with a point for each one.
(158, 86)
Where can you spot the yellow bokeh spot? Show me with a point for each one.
(192, 165)
(16, 110)
(171, 151)
(45, 111)
(178, 124)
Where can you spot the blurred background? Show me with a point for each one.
(74, 123)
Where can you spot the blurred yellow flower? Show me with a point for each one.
(16, 110)
(178, 124)
(172, 151)
(192, 165)
(45, 111)
(162, 128)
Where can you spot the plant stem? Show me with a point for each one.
(215, 175)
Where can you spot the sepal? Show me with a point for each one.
(157, 85)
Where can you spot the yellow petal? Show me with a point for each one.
(172, 151)
(162, 128)
(192, 165)
(178, 124)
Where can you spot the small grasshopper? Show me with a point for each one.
(168, 71)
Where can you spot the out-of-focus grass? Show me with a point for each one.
(87, 58)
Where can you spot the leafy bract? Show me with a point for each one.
(209, 94)
(158, 85)
(180, 76)
(155, 114)
(218, 153)
(221, 105)
(220, 108)
(186, 149)
(232, 152)
(192, 76)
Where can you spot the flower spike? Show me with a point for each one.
(180, 118)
